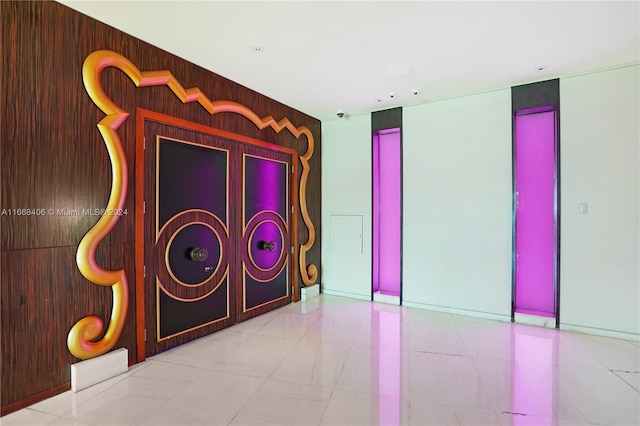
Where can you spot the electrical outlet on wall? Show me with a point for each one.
(583, 208)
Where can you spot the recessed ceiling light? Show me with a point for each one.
(399, 70)
(541, 68)
(257, 48)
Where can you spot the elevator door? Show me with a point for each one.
(217, 233)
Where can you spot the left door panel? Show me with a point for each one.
(188, 225)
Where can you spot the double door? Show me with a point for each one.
(218, 231)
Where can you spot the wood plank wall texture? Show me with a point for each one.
(54, 158)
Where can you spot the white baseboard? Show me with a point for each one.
(345, 294)
(600, 332)
(455, 311)
(95, 370)
(386, 298)
(310, 292)
(546, 322)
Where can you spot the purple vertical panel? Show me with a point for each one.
(389, 202)
(376, 212)
(535, 213)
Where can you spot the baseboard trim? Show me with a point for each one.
(95, 370)
(33, 399)
(456, 311)
(309, 292)
(386, 298)
(538, 321)
(345, 294)
(600, 332)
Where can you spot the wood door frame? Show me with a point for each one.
(142, 115)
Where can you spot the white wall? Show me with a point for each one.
(600, 137)
(457, 204)
(346, 198)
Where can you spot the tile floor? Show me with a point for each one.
(333, 361)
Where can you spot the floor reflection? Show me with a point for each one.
(387, 327)
(534, 374)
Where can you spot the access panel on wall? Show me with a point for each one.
(217, 233)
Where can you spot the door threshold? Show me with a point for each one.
(386, 298)
(546, 322)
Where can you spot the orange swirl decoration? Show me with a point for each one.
(309, 273)
(81, 339)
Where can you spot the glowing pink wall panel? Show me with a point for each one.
(376, 212)
(535, 213)
(387, 212)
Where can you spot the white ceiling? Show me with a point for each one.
(322, 56)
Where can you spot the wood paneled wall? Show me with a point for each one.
(53, 157)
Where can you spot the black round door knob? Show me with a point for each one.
(267, 245)
(199, 254)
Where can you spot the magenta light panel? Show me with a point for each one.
(376, 213)
(387, 212)
(535, 169)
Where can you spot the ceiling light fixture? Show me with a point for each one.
(541, 68)
(399, 71)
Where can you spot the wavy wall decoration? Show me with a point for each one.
(83, 338)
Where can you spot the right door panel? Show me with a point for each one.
(266, 232)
